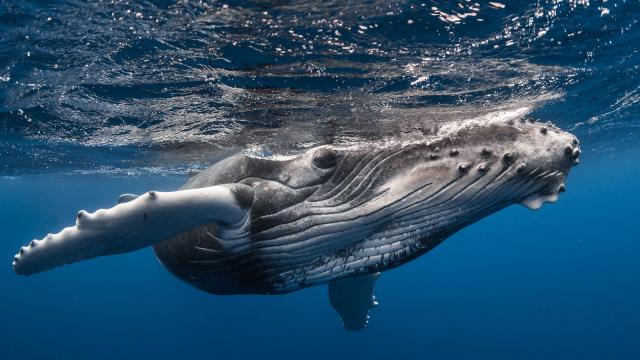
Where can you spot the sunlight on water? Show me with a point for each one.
(182, 82)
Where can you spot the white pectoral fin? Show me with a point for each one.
(134, 224)
(352, 298)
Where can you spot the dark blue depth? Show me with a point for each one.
(558, 283)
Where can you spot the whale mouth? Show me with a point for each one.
(549, 193)
(553, 186)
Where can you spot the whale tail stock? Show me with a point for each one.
(134, 223)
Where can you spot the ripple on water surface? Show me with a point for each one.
(116, 85)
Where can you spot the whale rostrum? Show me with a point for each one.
(331, 215)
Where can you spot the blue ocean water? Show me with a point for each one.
(111, 97)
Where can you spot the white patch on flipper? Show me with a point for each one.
(141, 222)
(352, 298)
(535, 202)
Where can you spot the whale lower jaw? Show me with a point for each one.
(535, 202)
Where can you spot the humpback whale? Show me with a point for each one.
(336, 215)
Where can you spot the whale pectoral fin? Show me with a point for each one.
(126, 198)
(352, 298)
(146, 220)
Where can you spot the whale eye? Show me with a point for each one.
(325, 158)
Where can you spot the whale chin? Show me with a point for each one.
(535, 202)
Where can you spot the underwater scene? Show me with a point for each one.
(320, 179)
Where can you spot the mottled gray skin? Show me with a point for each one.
(332, 213)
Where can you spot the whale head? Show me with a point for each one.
(435, 187)
(524, 161)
